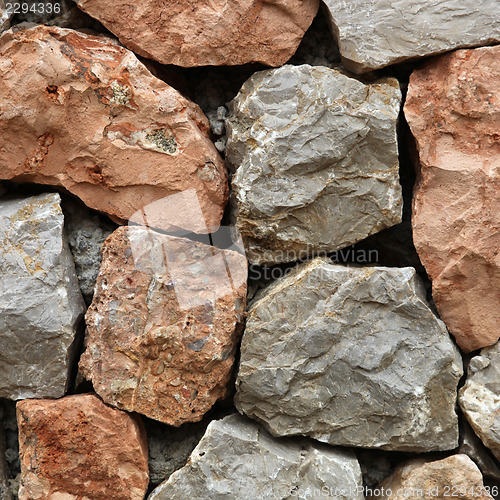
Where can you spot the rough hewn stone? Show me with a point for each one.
(480, 397)
(164, 323)
(40, 302)
(315, 159)
(374, 33)
(82, 112)
(236, 458)
(208, 33)
(350, 356)
(453, 109)
(456, 476)
(77, 448)
(86, 234)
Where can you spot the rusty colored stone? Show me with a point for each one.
(453, 109)
(83, 113)
(187, 33)
(78, 448)
(164, 323)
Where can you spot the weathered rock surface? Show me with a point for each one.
(208, 33)
(86, 235)
(373, 33)
(453, 109)
(40, 302)
(315, 159)
(82, 112)
(164, 323)
(479, 398)
(350, 356)
(456, 476)
(77, 447)
(237, 458)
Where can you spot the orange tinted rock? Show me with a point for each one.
(187, 33)
(79, 448)
(83, 113)
(163, 326)
(453, 109)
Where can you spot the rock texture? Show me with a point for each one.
(480, 397)
(456, 476)
(5, 16)
(453, 109)
(83, 113)
(350, 356)
(79, 448)
(86, 235)
(163, 327)
(40, 303)
(315, 159)
(237, 458)
(374, 33)
(208, 33)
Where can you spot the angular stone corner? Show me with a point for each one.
(78, 447)
(163, 326)
(453, 110)
(236, 458)
(315, 158)
(352, 357)
(82, 112)
(479, 398)
(40, 302)
(191, 33)
(372, 34)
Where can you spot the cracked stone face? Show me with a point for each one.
(82, 112)
(40, 301)
(351, 357)
(164, 323)
(237, 458)
(315, 160)
(375, 33)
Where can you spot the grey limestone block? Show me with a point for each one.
(315, 161)
(350, 356)
(40, 302)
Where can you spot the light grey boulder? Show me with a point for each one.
(372, 34)
(5, 16)
(40, 301)
(479, 398)
(237, 459)
(350, 356)
(315, 161)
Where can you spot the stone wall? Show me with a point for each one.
(249, 249)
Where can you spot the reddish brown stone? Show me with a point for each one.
(83, 113)
(78, 448)
(187, 33)
(453, 109)
(164, 323)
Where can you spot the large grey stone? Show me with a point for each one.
(5, 16)
(237, 459)
(479, 398)
(40, 301)
(375, 33)
(350, 356)
(315, 159)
